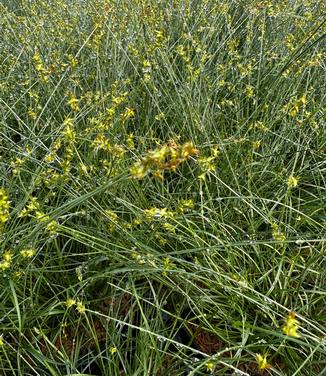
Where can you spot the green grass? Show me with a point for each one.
(162, 191)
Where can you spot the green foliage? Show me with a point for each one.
(162, 191)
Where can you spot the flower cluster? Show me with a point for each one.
(6, 260)
(166, 157)
(262, 361)
(80, 306)
(291, 325)
(277, 234)
(292, 182)
(4, 208)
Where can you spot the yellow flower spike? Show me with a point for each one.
(250, 90)
(210, 366)
(256, 144)
(39, 67)
(19, 274)
(292, 182)
(119, 99)
(166, 266)
(27, 253)
(159, 116)
(4, 207)
(7, 256)
(147, 64)
(139, 171)
(291, 331)
(31, 113)
(112, 350)
(262, 361)
(4, 265)
(165, 157)
(69, 133)
(188, 149)
(6, 260)
(72, 61)
(80, 307)
(70, 302)
(291, 326)
(277, 234)
(162, 241)
(129, 113)
(68, 122)
(130, 141)
(2, 342)
(152, 213)
(110, 112)
(52, 227)
(185, 204)
(158, 155)
(169, 227)
(73, 102)
(158, 174)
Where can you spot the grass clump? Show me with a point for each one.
(162, 192)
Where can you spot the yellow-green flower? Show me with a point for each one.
(113, 350)
(80, 307)
(32, 206)
(277, 234)
(4, 265)
(210, 366)
(292, 182)
(28, 253)
(52, 227)
(73, 102)
(291, 325)
(6, 260)
(2, 342)
(4, 207)
(7, 256)
(256, 144)
(167, 266)
(70, 302)
(262, 361)
(129, 113)
(169, 227)
(185, 204)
